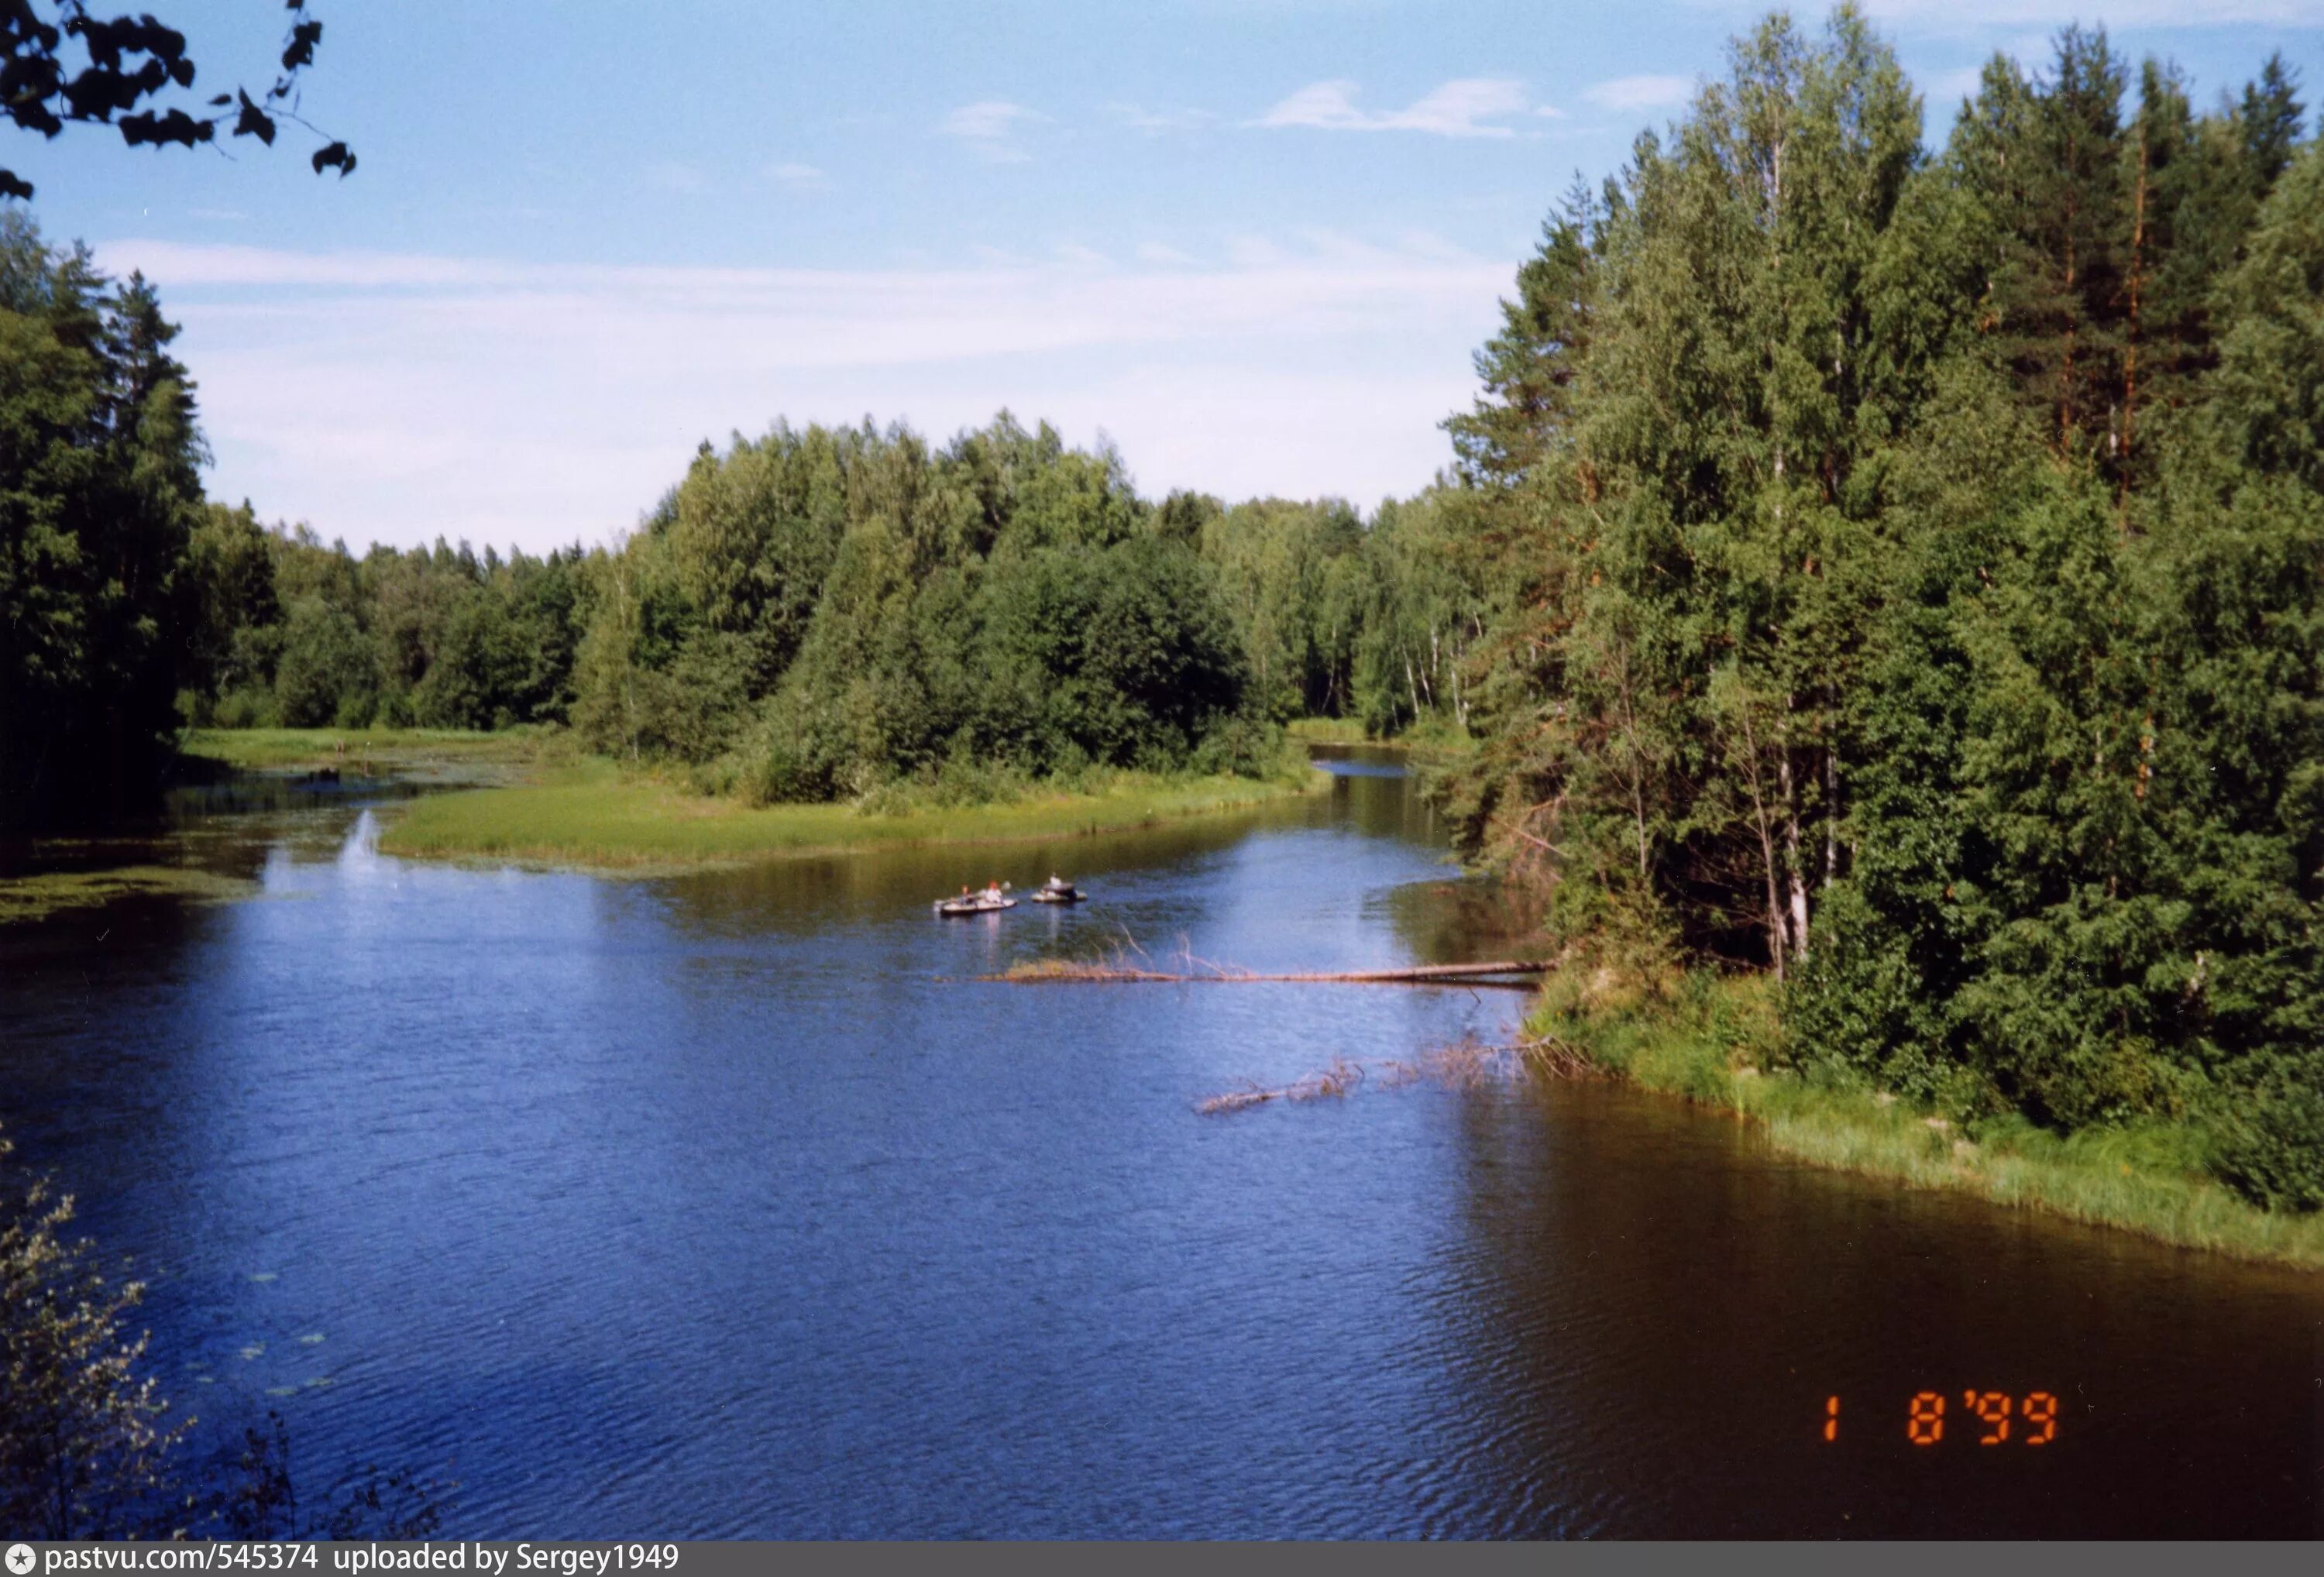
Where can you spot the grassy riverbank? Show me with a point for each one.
(1717, 1043)
(425, 754)
(1330, 731)
(595, 816)
(1432, 737)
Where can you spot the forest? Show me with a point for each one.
(1883, 556)
(1905, 567)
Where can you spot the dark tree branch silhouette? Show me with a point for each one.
(62, 66)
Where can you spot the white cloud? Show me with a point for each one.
(1161, 120)
(985, 120)
(1463, 107)
(1080, 256)
(798, 177)
(990, 127)
(1629, 93)
(1326, 106)
(1167, 257)
(1467, 107)
(391, 397)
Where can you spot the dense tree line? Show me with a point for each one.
(816, 612)
(288, 632)
(820, 613)
(1906, 570)
(99, 493)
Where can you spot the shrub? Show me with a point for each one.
(2272, 1150)
(85, 1439)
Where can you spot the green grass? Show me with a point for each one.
(34, 897)
(444, 754)
(1438, 736)
(1714, 1045)
(1330, 731)
(593, 815)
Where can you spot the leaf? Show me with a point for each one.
(11, 187)
(255, 122)
(177, 126)
(303, 40)
(221, 101)
(335, 153)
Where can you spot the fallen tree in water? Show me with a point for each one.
(1462, 1065)
(1061, 971)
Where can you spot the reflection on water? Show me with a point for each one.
(732, 1205)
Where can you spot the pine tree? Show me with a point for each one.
(1528, 370)
(101, 494)
(2270, 117)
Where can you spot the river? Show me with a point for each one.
(733, 1205)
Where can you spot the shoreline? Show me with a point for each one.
(590, 817)
(526, 797)
(1710, 1049)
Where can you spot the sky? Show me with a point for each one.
(1253, 244)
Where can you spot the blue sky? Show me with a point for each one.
(1253, 244)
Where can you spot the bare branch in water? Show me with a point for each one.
(1465, 1065)
(1341, 1078)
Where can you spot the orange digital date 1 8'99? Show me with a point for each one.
(2000, 1419)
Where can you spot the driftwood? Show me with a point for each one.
(1463, 1065)
(1058, 971)
(1339, 1079)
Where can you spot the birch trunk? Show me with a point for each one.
(1795, 873)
